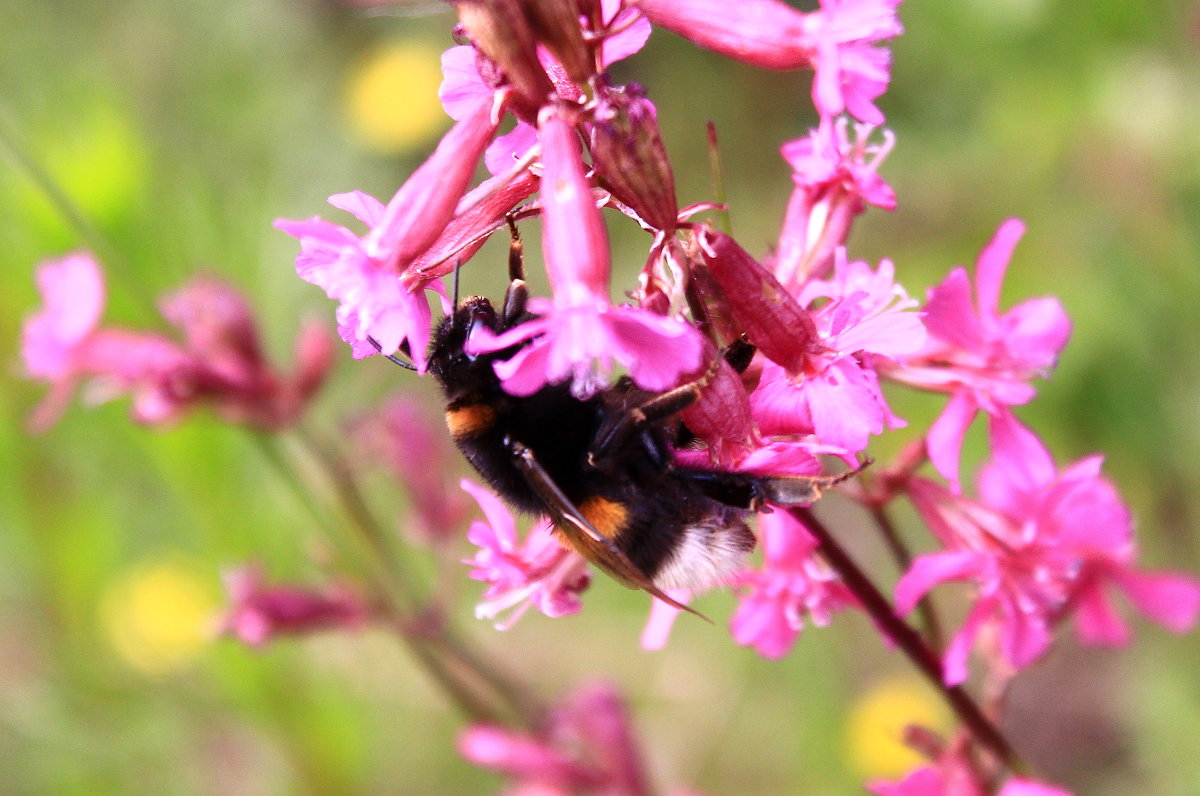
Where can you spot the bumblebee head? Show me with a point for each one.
(453, 367)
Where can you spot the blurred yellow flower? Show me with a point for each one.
(392, 99)
(159, 615)
(875, 728)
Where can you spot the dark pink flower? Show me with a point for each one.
(587, 745)
(1040, 545)
(536, 572)
(984, 358)
(259, 612)
(864, 316)
(579, 335)
(792, 586)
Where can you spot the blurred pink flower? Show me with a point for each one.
(984, 358)
(954, 775)
(537, 572)
(402, 436)
(586, 746)
(259, 612)
(219, 362)
(838, 41)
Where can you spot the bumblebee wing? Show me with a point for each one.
(594, 545)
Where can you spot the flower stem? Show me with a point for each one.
(476, 686)
(909, 641)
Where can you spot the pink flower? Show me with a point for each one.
(587, 745)
(258, 612)
(793, 584)
(982, 357)
(834, 178)
(837, 41)
(865, 316)
(53, 341)
(1040, 545)
(219, 363)
(372, 301)
(537, 572)
(851, 72)
(580, 336)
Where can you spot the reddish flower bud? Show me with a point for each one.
(630, 159)
(772, 318)
(480, 213)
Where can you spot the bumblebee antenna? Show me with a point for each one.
(457, 268)
(392, 357)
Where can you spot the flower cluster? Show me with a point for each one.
(1040, 545)
(217, 361)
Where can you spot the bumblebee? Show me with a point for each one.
(602, 467)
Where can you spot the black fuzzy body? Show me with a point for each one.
(630, 491)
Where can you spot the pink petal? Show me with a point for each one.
(1172, 600)
(945, 437)
(933, 569)
(991, 265)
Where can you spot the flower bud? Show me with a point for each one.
(629, 157)
(773, 319)
(556, 23)
(502, 30)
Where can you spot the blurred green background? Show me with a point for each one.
(181, 129)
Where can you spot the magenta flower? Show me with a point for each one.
(834, 178)
(851, 73)
(259, 612)
(865, 316)
(537, 572)
(372, 301)
(1040, 545)
(837, 41)
(792, 585)
(984, 358)
(587, 746)
(579, 335)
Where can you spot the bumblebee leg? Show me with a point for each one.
(613, 436)
(517, 293)
(592, 544)
(753, 492)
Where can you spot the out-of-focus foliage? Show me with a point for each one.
(178, 131)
